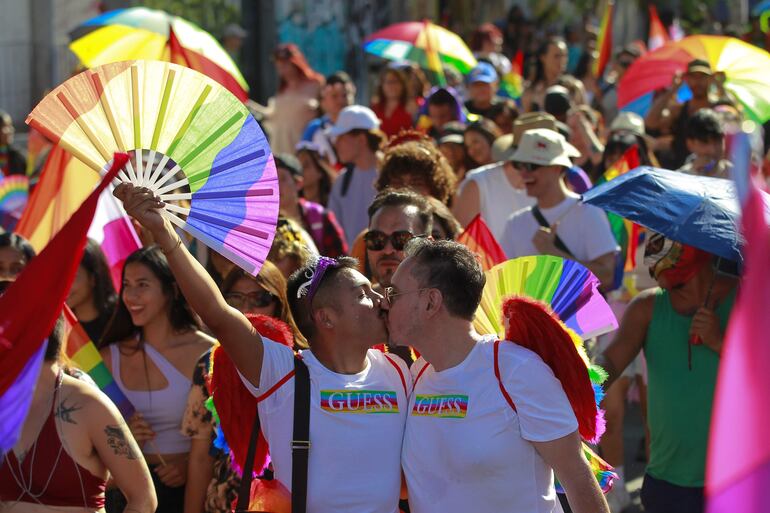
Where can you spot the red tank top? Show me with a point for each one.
(48, 475)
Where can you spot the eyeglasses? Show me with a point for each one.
(259, 299)
(389, 293)
(376, 240)
(527, 166)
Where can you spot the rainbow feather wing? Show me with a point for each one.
(568, 287)
(194, 144)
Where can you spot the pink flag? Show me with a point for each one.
(738, 467)
(113, 230)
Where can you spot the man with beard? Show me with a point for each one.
(358, 396)
(395, 217)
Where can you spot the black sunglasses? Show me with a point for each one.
(258, 299)
(527, 166)
(376, 240)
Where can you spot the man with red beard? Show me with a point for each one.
(680, 325)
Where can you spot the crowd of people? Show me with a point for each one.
(367, 292)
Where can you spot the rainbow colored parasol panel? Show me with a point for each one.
(192, 143)
(746, 68)
(570, 289)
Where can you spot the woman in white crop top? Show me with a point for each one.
(151, 346)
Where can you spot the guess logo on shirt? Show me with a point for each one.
(441, 406)
(359, 401)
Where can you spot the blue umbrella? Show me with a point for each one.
(694, 210)
(760, 8)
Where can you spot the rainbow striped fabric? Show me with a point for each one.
(83, 353)
(440, 406)
(359, 401)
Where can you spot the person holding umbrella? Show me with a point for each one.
(681, 323)
(693, 300)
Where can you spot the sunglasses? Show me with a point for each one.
(376, 240)
(258, 299)
(527, 166)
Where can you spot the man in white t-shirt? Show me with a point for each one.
(357, 139)
(496, 190)
(465, 447)
(358, 396)
(574, 230)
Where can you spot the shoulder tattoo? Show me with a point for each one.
(65, 411)
(121, 443)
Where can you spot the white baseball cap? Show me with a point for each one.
(354, 117)
(544, 147)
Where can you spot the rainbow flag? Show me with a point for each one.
(626, 232)
(37, 144)
(512, 84)
(738, 459)
(604, 42)
(82, 352)
(64, 183)
(26, 321)
(14, 194)
(478, 238)
(658, 34)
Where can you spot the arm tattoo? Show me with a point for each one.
(121, 444)
(64, 412)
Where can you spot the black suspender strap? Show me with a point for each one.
(542, 221)
(244, 493)
(300, 444)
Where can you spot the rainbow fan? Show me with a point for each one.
(570, 289)
(14, 193)
(192, 143)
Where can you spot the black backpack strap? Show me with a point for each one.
(541, 220)
(244, 493)
(300, 444)
(346, 179)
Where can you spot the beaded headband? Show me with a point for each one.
(314, 277)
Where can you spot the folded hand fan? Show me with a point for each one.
(570, 289)
(192, 143)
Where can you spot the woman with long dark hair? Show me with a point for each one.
(151, 346)
(551, 64)
(92, 296)
(317, 173)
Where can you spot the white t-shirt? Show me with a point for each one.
(351, 209)
(584, 229)
(498, 199)
(356, 430)
(466, 449)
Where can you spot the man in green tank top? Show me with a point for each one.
(680, 325)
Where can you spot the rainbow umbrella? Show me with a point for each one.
(746, 67)
(422, 42)
(142, 33)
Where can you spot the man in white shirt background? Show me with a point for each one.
(574, 230)
(357, 138)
